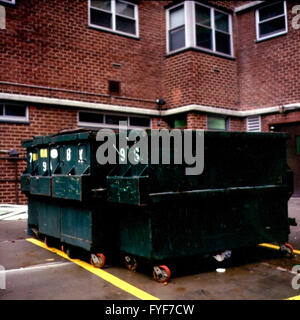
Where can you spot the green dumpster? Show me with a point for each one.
(74, 213)
(40, 181)
(239, 201)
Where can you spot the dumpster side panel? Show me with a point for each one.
(40, 185)
(135, 232)
(49, 219)
(33, 212)
(76, 226)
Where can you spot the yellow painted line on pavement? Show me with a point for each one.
(121, 284)
(272, 246)
(294, 298)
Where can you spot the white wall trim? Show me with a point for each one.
(247, 6)
(144, 111)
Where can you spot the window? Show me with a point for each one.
(213, 30)
(216, 123)
(96, 120)
(254, 124)
(114, 15)
(176, 28)
(298, 145)
(13, 112)
(199, 26)
(271, 20)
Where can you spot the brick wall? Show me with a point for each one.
(43, 121)
(49, 43)
(268, 70)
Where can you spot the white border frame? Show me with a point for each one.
(190, 28)
(257, 22)
(15, 119)
(113, 13)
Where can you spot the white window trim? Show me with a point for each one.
(25, 119)
(184, 4)
(190, 28)
(257, 22)
(111, 126)
(9, 1)
(113, 13)
(213, 28)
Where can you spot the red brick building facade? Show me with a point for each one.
(218, 65)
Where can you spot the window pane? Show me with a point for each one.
(101, 18)
(272, 27)
(216, 123)
(221, 22)
(125, 25)
(139, 122)
(223, 42)
(298, 145)
(176, 17)
(1, 110)
(177, 39)
(203, 15)
(90, 117)
(101, 4)
(109, 119)
(15, 111)
(125, 9)
(271, 11)
(204, 37)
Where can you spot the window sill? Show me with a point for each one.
(271, 37)
(114, 32)
(14, 121)
(220, 55)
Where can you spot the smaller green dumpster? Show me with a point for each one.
(66, 194)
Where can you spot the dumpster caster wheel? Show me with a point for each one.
(130, 263)
(161, 274)
(63, 248)
(97, 260)
(287, 249)
(47, 242)
(69, 252)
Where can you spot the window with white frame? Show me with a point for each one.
(176, 28)
(193, 24)
(13, 113)
(114, 15)
(98, 120)
(271, 20)
(213, 30)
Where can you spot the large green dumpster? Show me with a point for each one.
(240, 200)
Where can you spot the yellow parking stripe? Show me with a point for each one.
(272, 246)
(123, 285)
(294, 298)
